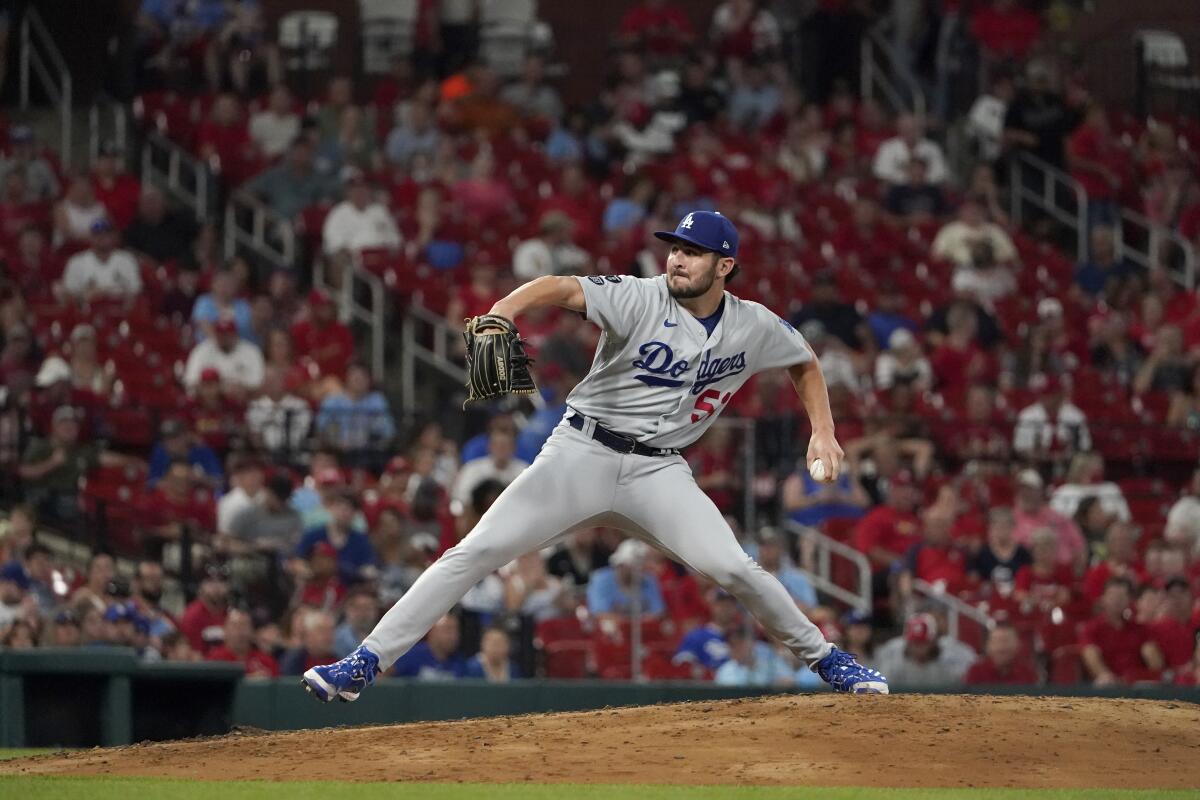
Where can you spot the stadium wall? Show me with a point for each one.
(65, 698)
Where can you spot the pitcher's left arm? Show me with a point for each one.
(814, 394)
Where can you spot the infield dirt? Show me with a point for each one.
(904, 740)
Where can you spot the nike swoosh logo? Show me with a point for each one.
(669, 324)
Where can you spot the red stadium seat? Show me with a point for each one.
(567, 658)
(1066, 667)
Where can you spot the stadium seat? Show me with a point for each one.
(1066, 667)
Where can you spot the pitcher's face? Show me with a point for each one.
(690, 271)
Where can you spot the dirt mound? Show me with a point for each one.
(817, 740)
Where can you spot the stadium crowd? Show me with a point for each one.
(1021, 428)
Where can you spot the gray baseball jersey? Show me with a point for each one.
(659, 377)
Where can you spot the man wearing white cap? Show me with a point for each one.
(902, 362)
(103, 270)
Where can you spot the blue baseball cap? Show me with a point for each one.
(707, 230)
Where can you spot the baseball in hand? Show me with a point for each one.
(817, 469)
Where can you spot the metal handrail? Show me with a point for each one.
(120, 126)
(827, 547)
(1053, 179)
(35, 61)
(185, 178)
(1156, 236)
(891, 77)
(1047, 199)
(350, 310)
(416, 318)
(956, 609)
(255, 238)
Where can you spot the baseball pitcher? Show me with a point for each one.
(674, 350)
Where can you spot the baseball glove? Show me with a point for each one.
(496, 360)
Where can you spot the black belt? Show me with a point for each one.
(615, 441)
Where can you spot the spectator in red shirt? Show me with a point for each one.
(1046, 583)
(480, 293)
(203, 620)
(959, 361)
(576, 197)
(321, 588)
(179, 500)
(890, 530)
(239, 647)
(1002, 664)
(223, 139)
(1099, 163)
(1005, 29)
(1120, 561)
(31, 264)
(1117, 649)
(116, 189)
(1174, 631)
(657, 27)
(867, 236)
(714, 462)
(686, 605)
(322, 339)
(214, 417)
(936, 559)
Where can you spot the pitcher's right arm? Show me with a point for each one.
(548, 290)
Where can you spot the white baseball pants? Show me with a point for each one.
(576, 482)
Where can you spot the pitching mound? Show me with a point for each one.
(819, 740)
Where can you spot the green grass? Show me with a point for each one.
(124, 788)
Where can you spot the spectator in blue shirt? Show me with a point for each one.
(355, 555)
(436, 658)
(1102, 267)
(810, 503)
(415, 135)
(177, 442)
(493, 662)
(610, 589)
(358, 418)
(753, 663)
(222, 302)
(771, 558)
(888, 314)
(754, 98)
(360, 612)
(629, 209)
(707, 647)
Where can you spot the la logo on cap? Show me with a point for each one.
(687, 222)
(725, 245)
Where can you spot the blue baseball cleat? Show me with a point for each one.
(844, 674)
(342, 679)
